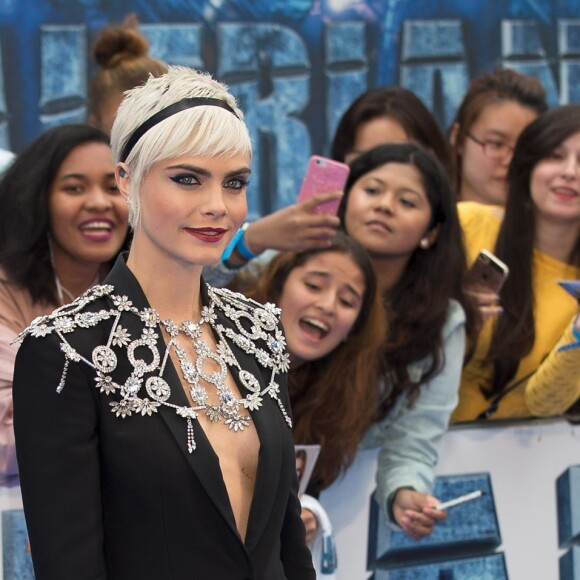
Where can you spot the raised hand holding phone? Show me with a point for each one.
(487, 274)
(323, 176)
(484, 281)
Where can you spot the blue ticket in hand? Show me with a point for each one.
(572, 287)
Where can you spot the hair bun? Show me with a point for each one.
(115, 44)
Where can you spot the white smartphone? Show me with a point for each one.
(459, 500)
(487, 274)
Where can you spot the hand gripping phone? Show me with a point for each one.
(487, 274)
(323, 176)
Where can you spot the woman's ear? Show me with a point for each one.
(453, 134)
(429, 238)
(122, 178)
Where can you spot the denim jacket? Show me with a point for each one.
(409, 438)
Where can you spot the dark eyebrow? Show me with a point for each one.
(403, 189)
(327, 275)
(497, 133)
(205, 172)
(83, 176)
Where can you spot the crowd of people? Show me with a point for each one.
(150, 408)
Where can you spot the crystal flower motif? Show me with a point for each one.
(252, 402)
(104, 358)
(39, 330)
(170, 327)
(208, 315)
(131, 386)
(105, 384)
(145, 407)
(213, 413)
(278, 343)
(282, 364)
(273, 389)
(122, 408)
(122, 302)
(149, 317)
(121, 336)
(64, 324)
(149, 335)
(237, 423)
(158, 388)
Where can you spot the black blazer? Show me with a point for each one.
(122, 498)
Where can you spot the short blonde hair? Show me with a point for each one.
(205, 131)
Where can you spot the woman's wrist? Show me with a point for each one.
(237, 252)
(391, 501)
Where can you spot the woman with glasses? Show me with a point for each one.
(494, 111)
(527, 361)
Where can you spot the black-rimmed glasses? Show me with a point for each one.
(494, 150)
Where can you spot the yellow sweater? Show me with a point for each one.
(556, 384)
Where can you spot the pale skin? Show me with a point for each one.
(181, 201)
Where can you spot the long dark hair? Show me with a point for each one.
(396, 103)
(485, 89)
(334, 399)
(24, 207)
(513, 334)
(418, 305)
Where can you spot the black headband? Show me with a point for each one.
(182, 105)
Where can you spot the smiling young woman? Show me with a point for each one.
(157, 400)
(62, 223)
(334, 327)
(523, 365)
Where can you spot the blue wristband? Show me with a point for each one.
(244, 251)
(237, 243)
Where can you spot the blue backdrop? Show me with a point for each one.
(295, 65)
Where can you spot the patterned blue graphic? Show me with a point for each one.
(16, 556)
(470, 530)
(295, 64)
(485, 568)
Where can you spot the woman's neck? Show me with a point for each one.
(556, 239)
(171, 287)
(72, 279)
(389, 271)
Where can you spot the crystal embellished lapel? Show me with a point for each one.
(254, 330)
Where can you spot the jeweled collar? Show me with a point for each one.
(254, 329)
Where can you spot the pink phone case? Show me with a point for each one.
(323, 176)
